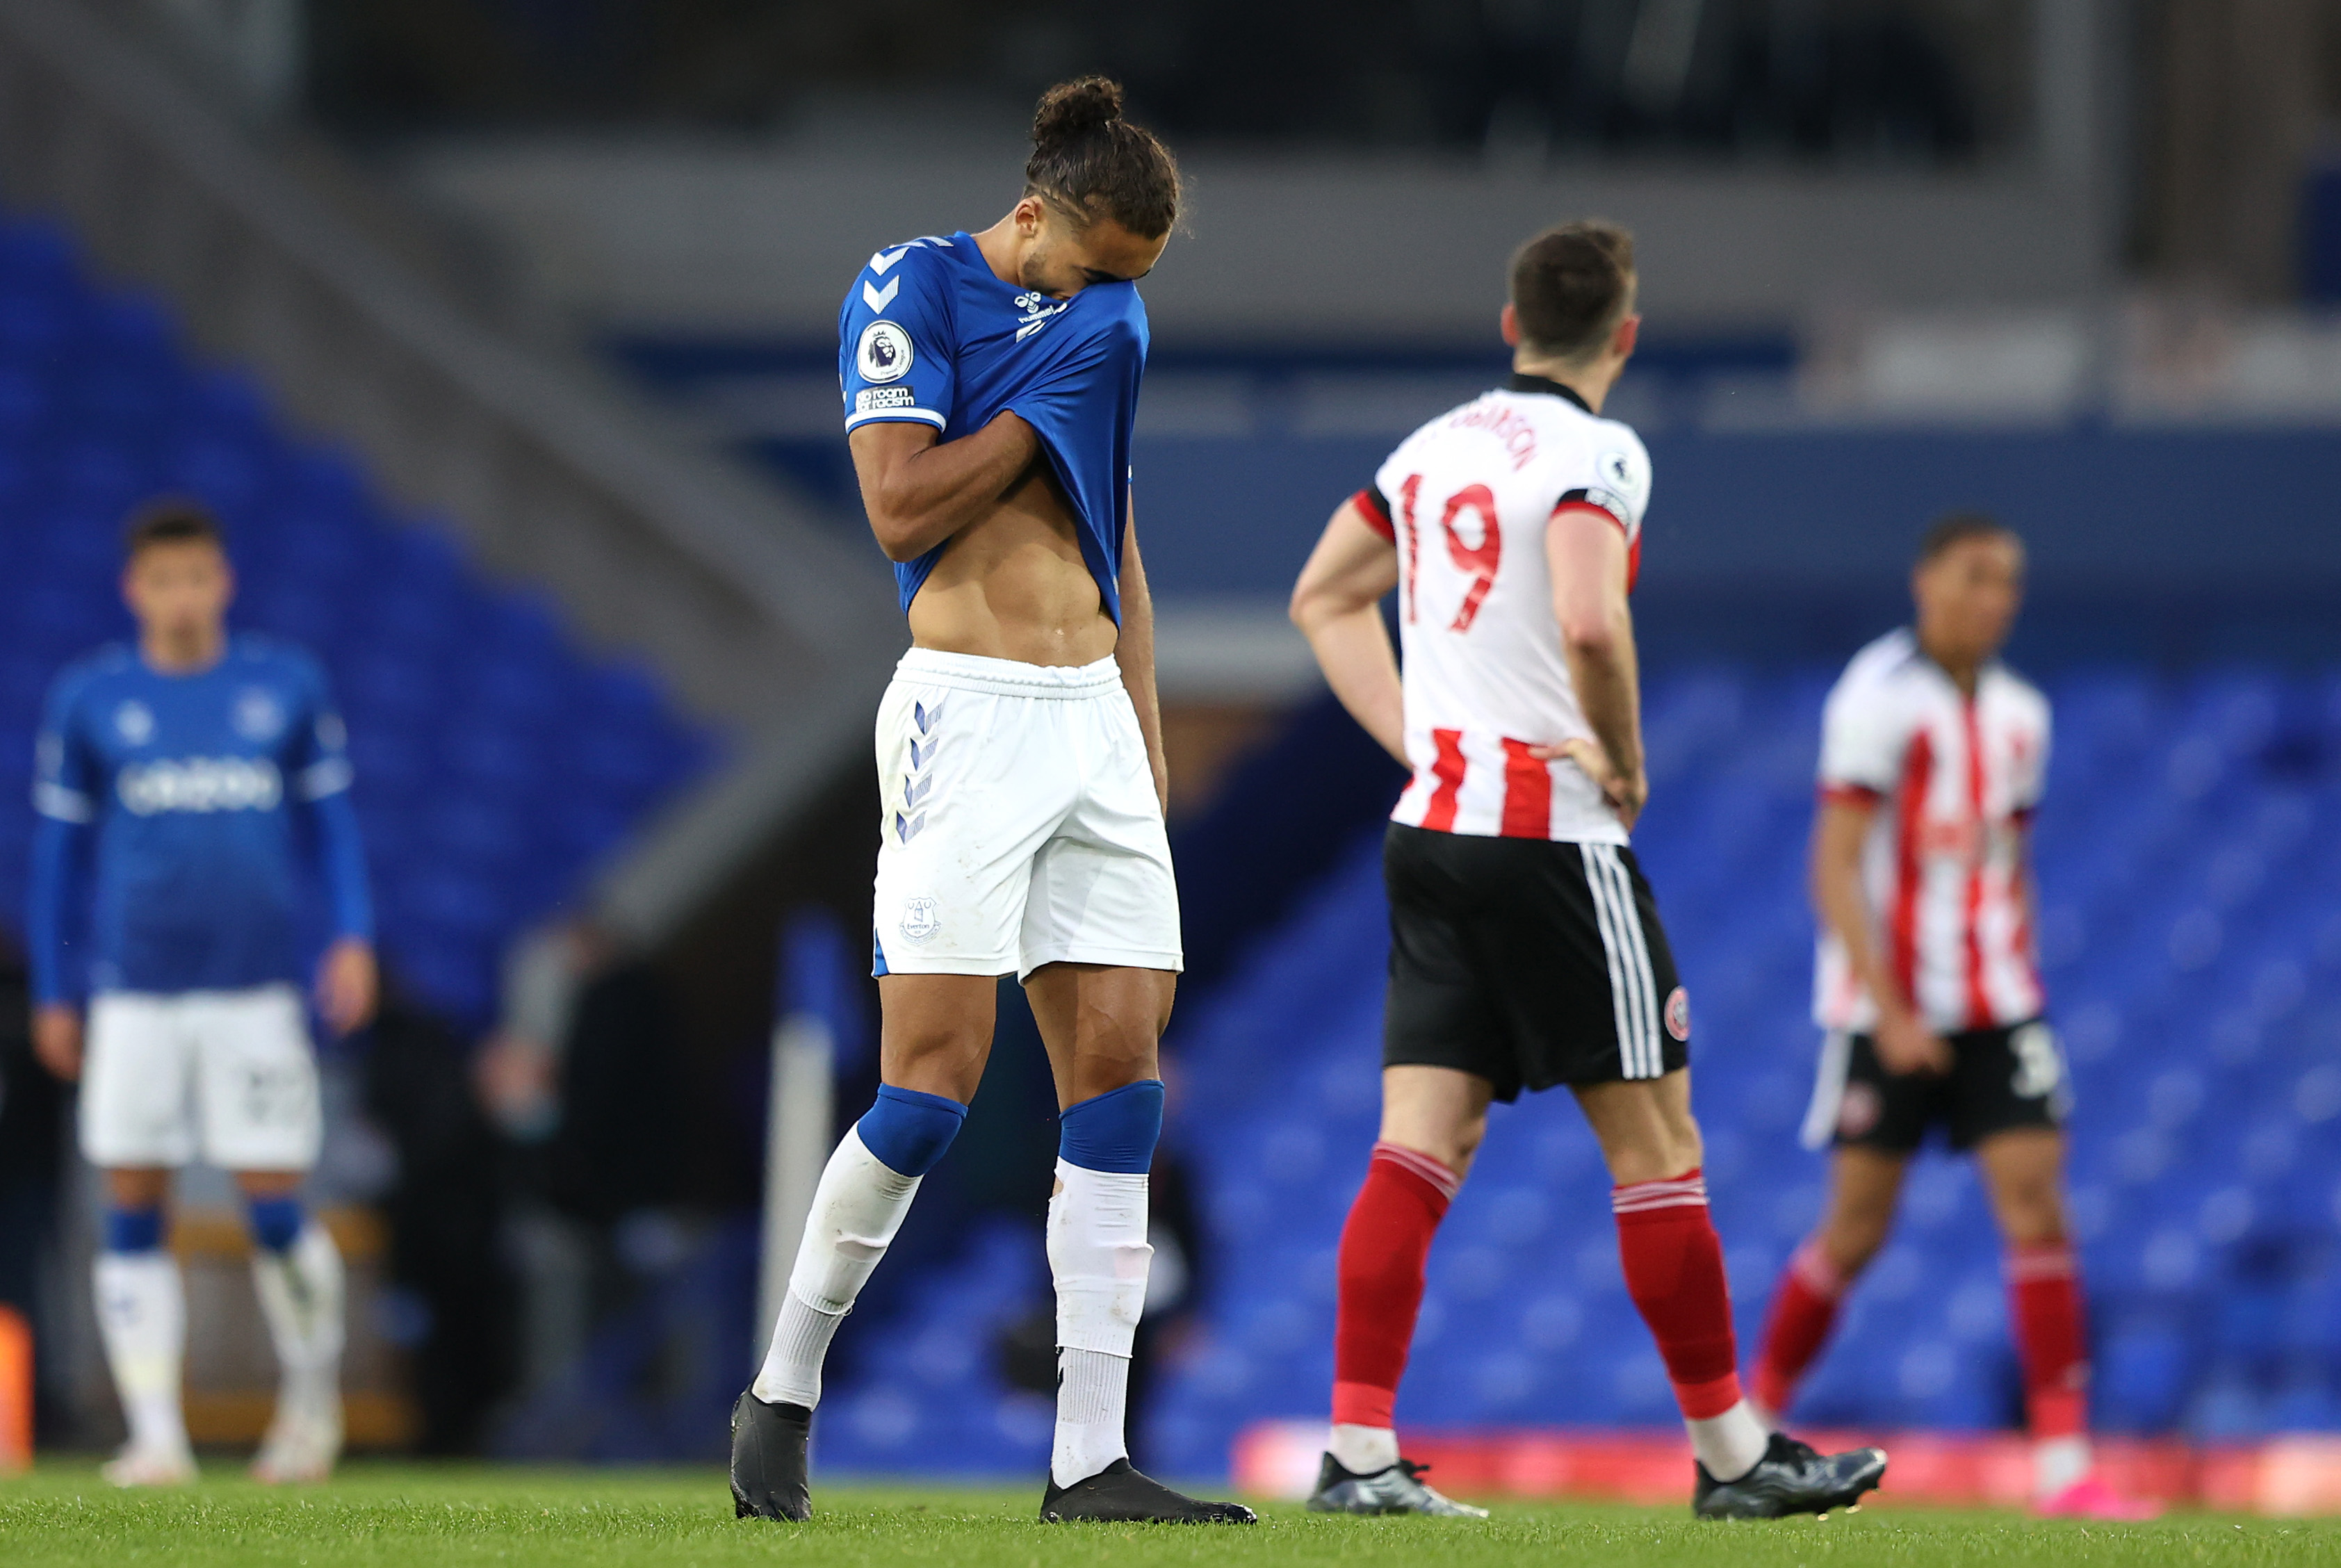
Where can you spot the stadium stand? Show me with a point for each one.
(2187, 858)
(497, 763)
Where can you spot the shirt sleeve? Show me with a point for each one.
(319, 763)
(65, 792)
(1375, 508)
(2034, 784)
(1618, 485)
(65, 776)
(895, 342)
(1863, 741)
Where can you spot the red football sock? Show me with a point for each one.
(2044, 1300)
(1804, 1308)
(1674, 1271)
(1384, 1247)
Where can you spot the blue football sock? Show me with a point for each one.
(134, 1230)
(275, 1222)
(1115, 1131)
(909, 1131)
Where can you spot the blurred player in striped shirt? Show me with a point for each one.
(1933, 756)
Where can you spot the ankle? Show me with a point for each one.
(1363, 1450)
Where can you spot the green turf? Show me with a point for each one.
(412, 1516)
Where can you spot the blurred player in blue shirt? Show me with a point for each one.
(181, 785)
(989, 383)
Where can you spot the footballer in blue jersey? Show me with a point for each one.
(184, 787)
(990, 383)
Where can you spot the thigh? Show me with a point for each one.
(1439, 1011)
(1103, 892)
(256, 1080)
(137, 1103)
(970, 787)
(1102, 1025)
(934, 1032)
(2004, 1078)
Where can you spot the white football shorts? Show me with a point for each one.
(1021, 826)
(226, 1074)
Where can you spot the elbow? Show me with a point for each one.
(1299, 610)
(1589, 636)
(1312, 607)
(897, 535)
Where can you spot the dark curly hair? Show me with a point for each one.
(1089, 162)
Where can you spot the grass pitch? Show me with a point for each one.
(411, 1515)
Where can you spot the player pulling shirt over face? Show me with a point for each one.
(990, 383)
(1021, 826)
(930, 334)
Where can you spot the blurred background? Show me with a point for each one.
(502, 335)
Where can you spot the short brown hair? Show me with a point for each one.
(1572, 285)
(1089, 163)
(1956, 528)
(170, 520)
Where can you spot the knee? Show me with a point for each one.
(940, 1058)
(2032, 1213)
(1115, 1131)
(1851, 1237)
(134, 1228)
(1664, 1151)
(137, 1188)
(276, 1220)
(1463, 1147)
(909, 1131)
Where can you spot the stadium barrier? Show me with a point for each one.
(2284, 1476)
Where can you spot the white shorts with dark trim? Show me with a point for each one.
(227, 1076)
(1020, 824)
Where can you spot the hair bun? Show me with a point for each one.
(1071, 108)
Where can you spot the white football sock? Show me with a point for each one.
(1363, 1450)
(301, 1292)
(1099, 1255)
(2057, 1463)
(142, 1315)
(1092, 1391)
(1730, 1445)
(856, 1210)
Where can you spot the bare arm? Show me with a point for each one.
(1586, 554)
(1134, 652)
(1905, 1044)
(1337, 604)
(919, 491)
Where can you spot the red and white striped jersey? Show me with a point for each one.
(1467, 499)
(1955, 780)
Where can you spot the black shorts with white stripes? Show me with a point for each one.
(1527, 963)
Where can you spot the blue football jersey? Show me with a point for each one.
(929, 332)
(197, 798)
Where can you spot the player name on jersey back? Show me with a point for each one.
(1466, 500)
